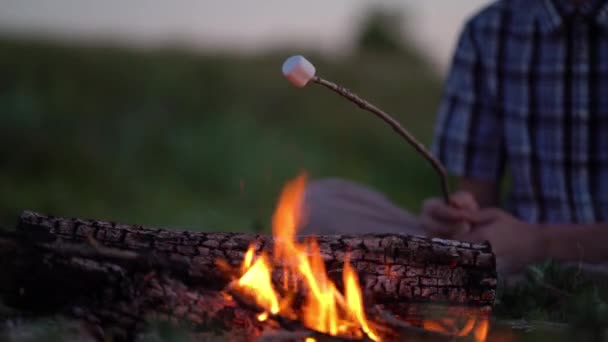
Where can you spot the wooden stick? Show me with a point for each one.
(405, 134)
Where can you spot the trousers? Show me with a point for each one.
(337, 206)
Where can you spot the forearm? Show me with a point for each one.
(574, 242)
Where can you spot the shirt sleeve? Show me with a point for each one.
(468, 134)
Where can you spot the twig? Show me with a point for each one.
(531, 326)
(417, 145)
(404, 328)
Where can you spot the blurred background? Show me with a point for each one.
(175, 113)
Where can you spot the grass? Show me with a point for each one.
(558, 293)
(197, 140)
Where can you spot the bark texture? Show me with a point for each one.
(391, 267)
(117, 276)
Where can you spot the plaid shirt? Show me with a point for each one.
(527, 94)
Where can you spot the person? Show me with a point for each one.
(525, 99)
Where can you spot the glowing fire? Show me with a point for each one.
(449, 326)
(324, 309)
(257, 282)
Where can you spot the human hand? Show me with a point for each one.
(448, 220)
(516, 243)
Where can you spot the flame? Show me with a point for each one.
(263, 316)
(467, 328)
(320, 309)
(324, 308)
(248, 259)
(434, 326)
(481, 331)
(354, 298)
(287, 215)
(449, 326)
(257, 283)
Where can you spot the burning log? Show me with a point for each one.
(116, 275)
(392, 268)
(104, 289)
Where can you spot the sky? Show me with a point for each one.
(244, 25)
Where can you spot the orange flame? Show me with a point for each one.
(354, 298)
(448, 326)
(325, 309)
(248, 259)
(263, 316)
(481, 331)
(467, 328)
(257, 283)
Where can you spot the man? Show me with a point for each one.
(527, 97)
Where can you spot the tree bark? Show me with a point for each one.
(136, 273)
(115, 300)
(391, 267)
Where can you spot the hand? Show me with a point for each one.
(516, 243)
(441, 219)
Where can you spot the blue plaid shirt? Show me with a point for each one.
(527, 94)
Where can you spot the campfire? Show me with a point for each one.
(358, 287)
(352, 287)
(293, 285)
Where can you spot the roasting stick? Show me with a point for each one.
(299, 71)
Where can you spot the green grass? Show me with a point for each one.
(555, 293)
(197, 140)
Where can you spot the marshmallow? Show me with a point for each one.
(298, 70)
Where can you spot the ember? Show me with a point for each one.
(450, 327)
(324, 308)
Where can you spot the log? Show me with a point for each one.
(116, 295)
(117, 277)
(392, 267)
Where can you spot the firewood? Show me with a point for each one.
(113, 297)
(392, 267)
(119, 277)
